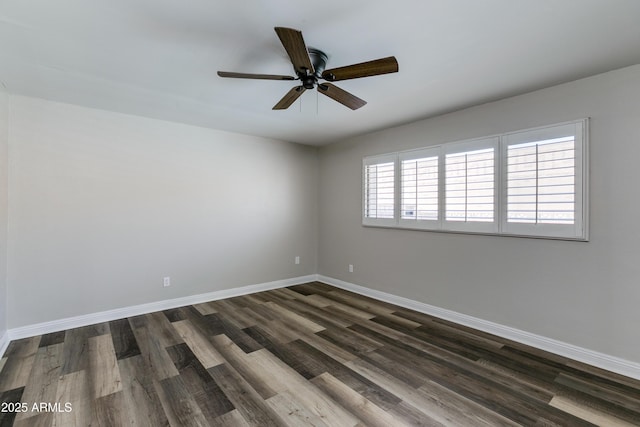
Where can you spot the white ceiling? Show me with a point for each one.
(158, 58)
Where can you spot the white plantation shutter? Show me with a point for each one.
(470, 185)
(379, 190)
(419, 182)
(543, 181)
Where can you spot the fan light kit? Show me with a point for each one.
(309, 65)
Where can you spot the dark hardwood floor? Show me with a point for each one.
(305, 355)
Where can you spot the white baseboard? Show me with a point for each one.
(136, 310)
(594, 358)
(4, 343)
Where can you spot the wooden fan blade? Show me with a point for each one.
(296, 48)
(363, 69)
(341, 95)
(289, 98)
(253, 76)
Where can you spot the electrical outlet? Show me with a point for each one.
(350, 268)
(297, 260)
(167, 281)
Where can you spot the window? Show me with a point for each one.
(470, 185)
(526, 183)
(379, 189)
(420, 188)
(543, 183)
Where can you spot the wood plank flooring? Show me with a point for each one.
(306, 355)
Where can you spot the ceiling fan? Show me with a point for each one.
(309, 65)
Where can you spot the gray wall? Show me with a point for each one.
(4, 129)
(586, 294)
(102, 206)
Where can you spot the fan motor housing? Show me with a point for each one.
(319, 61)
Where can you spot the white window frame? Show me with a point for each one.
(579, 230)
